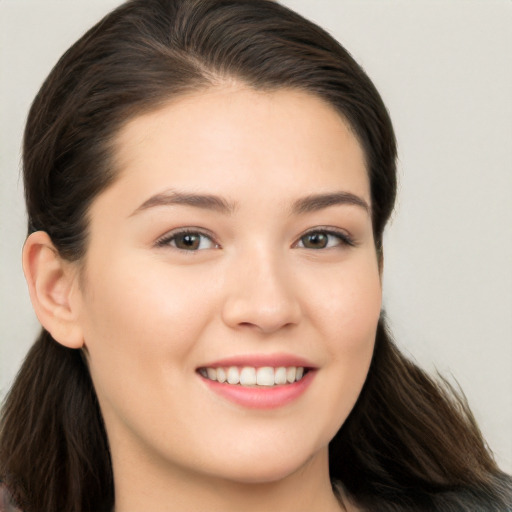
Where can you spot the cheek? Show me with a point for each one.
(142, 297)
(136, 316)
(348, 325)
(347, 307)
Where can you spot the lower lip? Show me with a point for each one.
(261, 397)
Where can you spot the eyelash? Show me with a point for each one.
(167, 239)
(343, 238)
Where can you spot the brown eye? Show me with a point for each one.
(188, 241)
(315, 240)
(324, 240)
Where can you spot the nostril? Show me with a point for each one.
(262, 306)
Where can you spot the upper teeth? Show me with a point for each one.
(251, 376)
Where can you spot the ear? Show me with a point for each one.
(53, 286)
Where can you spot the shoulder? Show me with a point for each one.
(6, 504)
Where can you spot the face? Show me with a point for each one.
(235, 244)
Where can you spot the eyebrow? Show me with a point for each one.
(173, 197)
(317, 202)
(307, 204)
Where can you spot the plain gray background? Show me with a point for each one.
(443, 69)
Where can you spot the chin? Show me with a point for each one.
(261, 476)
(267, 469)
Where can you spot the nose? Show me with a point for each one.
(261, 295)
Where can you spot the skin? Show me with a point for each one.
(148, 314)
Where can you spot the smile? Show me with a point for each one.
(249, 376)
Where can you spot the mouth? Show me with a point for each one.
(255, 377)
(259, 381)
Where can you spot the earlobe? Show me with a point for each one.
(52, 282)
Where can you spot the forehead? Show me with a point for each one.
(230, 138)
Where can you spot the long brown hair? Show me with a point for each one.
(410, 443)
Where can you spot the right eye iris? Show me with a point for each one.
(188, 241)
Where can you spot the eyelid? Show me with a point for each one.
(345, 238)
(164, 240)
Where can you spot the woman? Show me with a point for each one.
(207, 186)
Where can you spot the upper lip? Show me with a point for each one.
(260, 360)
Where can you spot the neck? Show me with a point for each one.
(142, 485)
